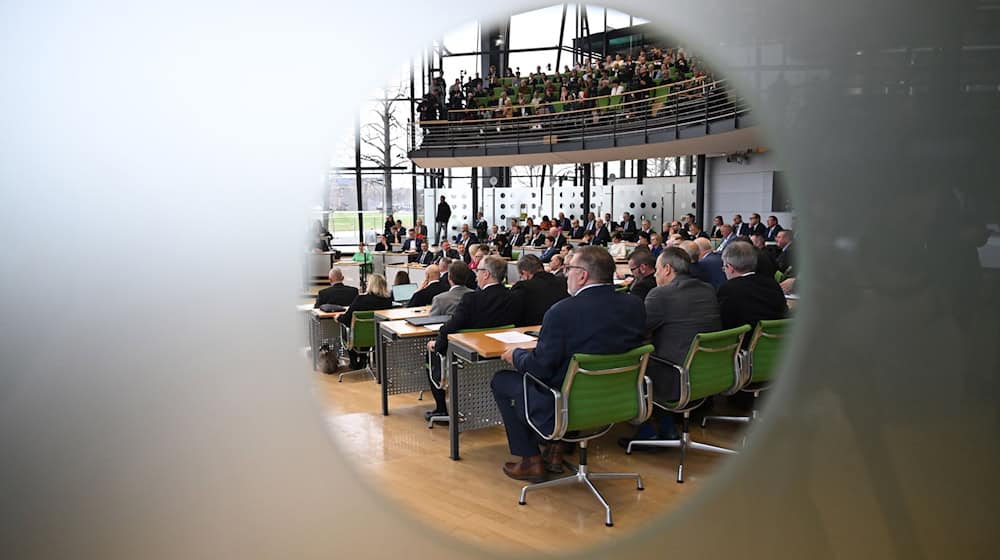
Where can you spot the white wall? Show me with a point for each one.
(733, 188)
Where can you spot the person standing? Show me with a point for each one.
(441, 221)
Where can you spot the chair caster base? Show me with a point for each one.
(609, 524)
(522, 503)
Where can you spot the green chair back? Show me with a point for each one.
(497, 91)
(483, 100)
(557, 106)
(603, 102)
(615, 99)
(604, 389)
(363, 329)
(514, 255)
(507, 82)
(765, 348)
(778, 276)
(711, 363)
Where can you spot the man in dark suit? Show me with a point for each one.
(538, 237)
(591, 224)
(425, 256)
(773, 228)
(558, 239)
(603, 235)
(576, 231)
(516, 236)
(431, 287)
(481, 226)
(609, 223)
(765, 258)
(441, 221)
(538, 290)
(563, 222)
(677, 309)
(784, 261)
(447, 251)
(643, 265)
(647, 228)
(337, 293)
(411, 243)
(747, 297)
(728, 236)
(550, 249)
(563, 333)
(629, 231)
(740, 228)
(709, 266)
(756, 228)
(490, 306)
(420, 228)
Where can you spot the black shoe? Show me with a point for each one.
(430, 413)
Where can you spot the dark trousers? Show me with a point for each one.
(440, 404)
(508, 391)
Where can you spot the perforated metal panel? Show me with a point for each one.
(405, 365)
(476, 406)
(324, 331)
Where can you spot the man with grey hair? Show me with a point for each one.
(556, 266)
(538, 290)
(337, 293)
(728, 236)
(490, 306)
(677, 309)
(747, 297)
(596, 320)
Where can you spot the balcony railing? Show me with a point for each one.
(610, 120)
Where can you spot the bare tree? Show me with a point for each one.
(386, 136)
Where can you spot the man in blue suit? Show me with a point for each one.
(589, 276)
(708, 267)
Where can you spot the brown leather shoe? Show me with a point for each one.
(530, 468)
(552, 457)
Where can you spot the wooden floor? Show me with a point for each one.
(471, 499)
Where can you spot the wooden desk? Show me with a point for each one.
(399, 313)
(471, 404)
(402, 363)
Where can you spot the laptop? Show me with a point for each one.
(401, 293)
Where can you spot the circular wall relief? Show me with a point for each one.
(642, 193)
(503, 195)
(465, 218)
(524, 205)
(502, 217)
(643, 217)
(532, 206)
(653, 205)
(533, 195)
(572, 206)
(560, 205)
(631, 205)
(560, 194)
(593, 205)
(502, 206)
(642, 205)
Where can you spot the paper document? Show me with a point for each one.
(511, 337)
(434, 326)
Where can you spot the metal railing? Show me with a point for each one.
(700, 104)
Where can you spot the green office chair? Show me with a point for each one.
(442, 382)
(712, 367)
(761, 364)
(360, 337)
(598, 392)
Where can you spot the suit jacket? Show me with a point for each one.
(674, 314)
(411, 244)
(517, 240)
(560, 241)
(765, 263)
(590, 226)
(539, 240)
(422, 230)
(745, 300)
(452, 254)
(577, 232)
(716, 231)
(758, 229)
(549, 253)
(742, 229)
(380, 247)
(365, 302)
(629, 228)
(424, 258)
(492, 307)
(564, 223)
(709, 269)
(538, 295)
(580, 323)
(426, 295)
(337, 294)
(602, 237)
(641, 287)
(785, 260)
(771, 234)
(445, 302)
(725, 241)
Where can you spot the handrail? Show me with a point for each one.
(609, 96)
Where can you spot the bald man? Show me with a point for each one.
(337, 293)
(431, 287)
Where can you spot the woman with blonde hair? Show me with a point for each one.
(377, 297)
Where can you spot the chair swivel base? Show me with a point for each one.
(684, 443)
(438, 418)
(735, 419)
(367, 369)
(583, 476)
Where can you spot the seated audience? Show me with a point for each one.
(402, 277)
(765, 259)
(455, 279)
(550, 249)
(643, 265)
(447, 251)
(430, 287)
(425, 256)
(773, 229)
(556, 266)
(785, 261)
(708, 267)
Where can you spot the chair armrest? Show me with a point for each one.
(443, 383)
(645, 399)
(743, 371)
(685, 385)
(559, 427)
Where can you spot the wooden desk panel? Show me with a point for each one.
(402, 329)
(490, 348)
